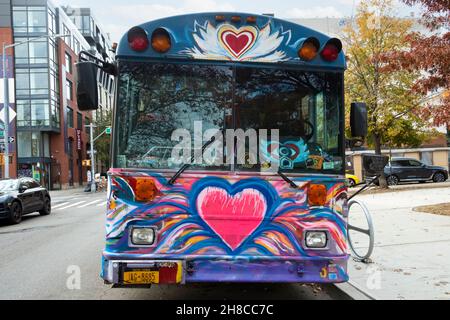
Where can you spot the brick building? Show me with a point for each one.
(50, 134)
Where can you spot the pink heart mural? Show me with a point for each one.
(232, 217)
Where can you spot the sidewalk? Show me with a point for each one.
(67, 192)
(411, 259)
(403, 186)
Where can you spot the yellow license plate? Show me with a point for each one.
(141, 277)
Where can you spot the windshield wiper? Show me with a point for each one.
(187, 165)
(285, 178)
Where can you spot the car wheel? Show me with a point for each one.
(47, 208)
(351, 182)
(392, 180)
(438, 177)
(15, 216)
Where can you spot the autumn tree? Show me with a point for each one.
(430, 53)
(103, 143)
(388, 94)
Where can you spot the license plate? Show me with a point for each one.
(153, 272)
(141, 277)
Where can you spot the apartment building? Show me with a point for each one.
(49, 133)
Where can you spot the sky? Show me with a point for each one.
(118, 16)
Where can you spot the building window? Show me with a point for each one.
(69, 117)
(40, 113)
(68, 62)
(33, 113)
(32, 52)
(76, 46)
(79, 121)
(51, 22)
(23, 113)
(55, 113)
(69, 90)
(29, 19)
(31, 81)
(66, 32)
(28, 144)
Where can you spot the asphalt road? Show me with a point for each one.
(40, 256)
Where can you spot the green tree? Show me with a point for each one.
(102, 144)
(388, 93)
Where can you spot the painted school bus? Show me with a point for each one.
(275, 87)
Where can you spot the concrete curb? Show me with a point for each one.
(407, 187)
(354, 291)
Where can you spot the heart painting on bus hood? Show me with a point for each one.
(247, 43)
(235, 216)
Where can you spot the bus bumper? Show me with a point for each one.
(310, 270)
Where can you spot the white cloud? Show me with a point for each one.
(314, 12)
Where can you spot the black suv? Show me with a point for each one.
(407, 169)
(22, 196)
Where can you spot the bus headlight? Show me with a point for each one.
(316, 239)
(143, 236)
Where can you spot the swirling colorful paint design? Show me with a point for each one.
(224, 216)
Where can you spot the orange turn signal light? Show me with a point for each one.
(235, 19)
(317, 195)
(161, 40)
(220, 18)
(309, 49)
(146, 190)
(251, 19)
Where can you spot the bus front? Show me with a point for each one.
(228, 154)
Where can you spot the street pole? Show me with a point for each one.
(91, 133)
(6, 108)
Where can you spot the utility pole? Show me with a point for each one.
(6, 108)
(91, 133)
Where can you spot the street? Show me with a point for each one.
(39, 255)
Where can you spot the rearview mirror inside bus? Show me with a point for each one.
(358, 119)
(87, 94)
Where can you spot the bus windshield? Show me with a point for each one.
(155, 99)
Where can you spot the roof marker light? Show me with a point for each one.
(309, 49)
(161, 40)
(235, 19)
(220, 18)
(137, 39)
(251, 19)
(331, 50)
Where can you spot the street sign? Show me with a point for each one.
(11, 139)
(89, 152)
(12, 115)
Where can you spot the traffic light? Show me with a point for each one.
(108, 130)
(86, 163)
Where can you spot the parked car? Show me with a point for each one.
(407, 169)
(352, 179)
(22, 196)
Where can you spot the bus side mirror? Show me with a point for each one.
(87, 89)
(358, 119)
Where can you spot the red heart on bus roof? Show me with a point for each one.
(237, 42)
